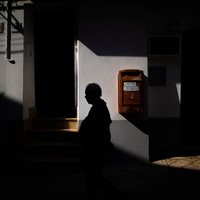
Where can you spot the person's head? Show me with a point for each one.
(93, 93)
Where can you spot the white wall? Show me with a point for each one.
(11, 78)
(17, 80)
(104, 71)
(3, 63)
(112, 38)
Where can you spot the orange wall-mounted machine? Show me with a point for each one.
(130, 91)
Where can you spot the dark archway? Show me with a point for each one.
(54, 63)
(190, 134)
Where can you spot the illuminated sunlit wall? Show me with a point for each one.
(17, 80)
(11, 75)
(112, 38)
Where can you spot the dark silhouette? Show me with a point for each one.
(95, 139)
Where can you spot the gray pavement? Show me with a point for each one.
(171, 178)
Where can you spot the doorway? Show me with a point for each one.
(190, 135)
(54, 32)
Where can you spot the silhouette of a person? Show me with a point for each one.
(95, 139)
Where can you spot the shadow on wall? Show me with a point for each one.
(11, 108)
(120, 156)
(114, 33)
(11, 125)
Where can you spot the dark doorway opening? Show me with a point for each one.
(190, 134)
(54, 63)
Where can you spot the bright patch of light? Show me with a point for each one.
(178, 87)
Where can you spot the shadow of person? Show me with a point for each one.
(95, 139)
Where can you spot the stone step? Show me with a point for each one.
(53, 149)
(55, 123)
(52, 135)
(45, 164)
(52, 144)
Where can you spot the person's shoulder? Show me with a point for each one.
(102, 103)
